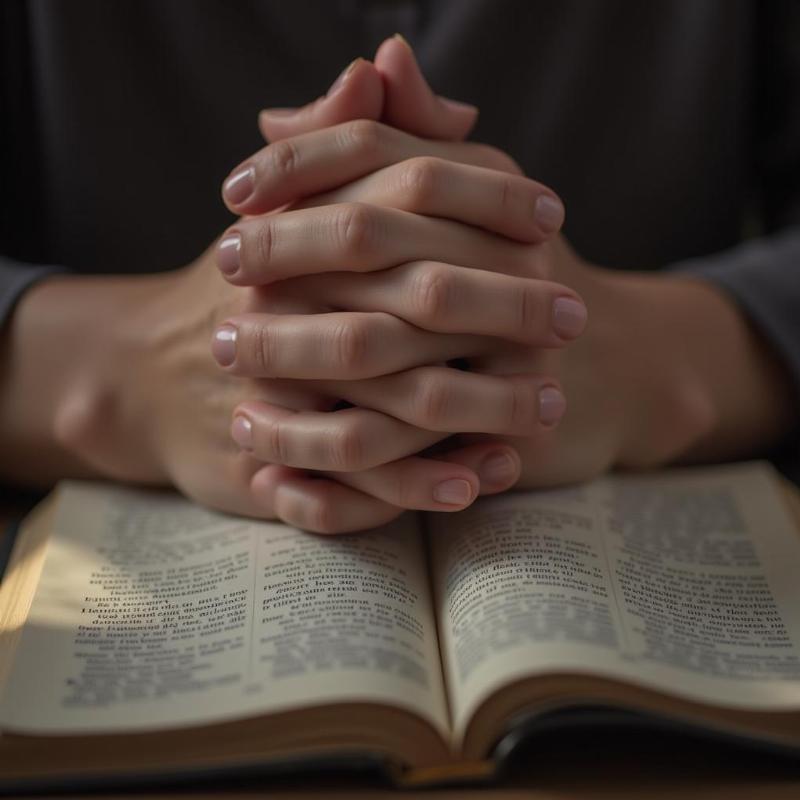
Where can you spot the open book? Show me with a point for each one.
(144, 635)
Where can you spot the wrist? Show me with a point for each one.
(703, 385)
(666, 401)
(747, 384)
(66, 386)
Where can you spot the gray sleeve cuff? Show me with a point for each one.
(15, 278)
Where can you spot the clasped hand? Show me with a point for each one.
(397, 324)
(417, 256)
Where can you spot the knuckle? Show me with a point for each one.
(405, 491)
(420, 179)
(276, 445)
(261, 349)
(521, 406)
(433, 400)
(512, 196)
(432, 291)
(346, 449)
(265, 243)
(356, 225)
(364, 136)
(349, 343)
(529, 316)
(322, 515)
(284, 158)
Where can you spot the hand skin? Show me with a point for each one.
(98, 372)
(132, 393)
(667, 371)
(375, 356)
(63, 334)
(716, 392)
(112, 402)
(393, 90)
(375, 353)
(623, 413)
(82, 410)
(277, 169)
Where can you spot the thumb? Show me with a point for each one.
(356, 94)
(410, 104)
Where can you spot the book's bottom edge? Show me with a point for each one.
(356, 766)
(376, 769)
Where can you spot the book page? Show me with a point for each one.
(685, 582)
(154, 612)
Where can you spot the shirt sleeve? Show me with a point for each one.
(15, 278)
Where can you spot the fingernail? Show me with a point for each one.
(402, 39)
(454, 492)
(339, 82)
(498, 469)
(228, 254)
(242, 432)
(549, 213)
(277, 112)
(569, 317)
(456, 105)
(240, 186)
(223, 347)
(552, 405)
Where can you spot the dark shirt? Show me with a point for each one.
(670, 129)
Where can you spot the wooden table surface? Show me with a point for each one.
(585, 765)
